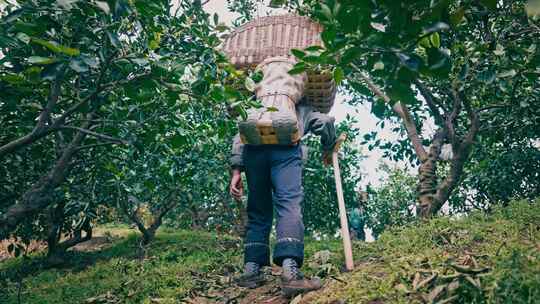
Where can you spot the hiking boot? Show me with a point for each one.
(252, 276)
(293, 281)
(293, 287)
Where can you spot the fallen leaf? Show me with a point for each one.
(296, 300)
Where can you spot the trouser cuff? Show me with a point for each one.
(289, 248)
(257, 252)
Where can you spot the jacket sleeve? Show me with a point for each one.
(322, 125)
(236, 159)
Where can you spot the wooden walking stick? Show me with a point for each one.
(349, 264)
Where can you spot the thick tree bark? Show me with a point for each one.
(432, 194)
(56, 249)
(39, 196)
(427, 176)
(149, 233)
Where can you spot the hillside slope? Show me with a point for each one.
(475, 259)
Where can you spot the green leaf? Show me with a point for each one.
(153, 44)
(339, 75)
(298, 68)
(242, 112)
(217, 93)
(509, 73)
(464, 72)
(490, 4)
(298, 53)
(23, 37)
(425, 42)
(379, 65)
(113, 38)
(13, 79)
(336, 9)
(78, 65)
(438, 62)
(104, 6)
(328, 36)
(487, 76)
(313, 59)
(250, 84)
(57, 48)
(276, 3)
(272, 109)
(40, 60)
(435, 40)
(457, 16)
(325, 10)
(350, 55)
(313, 48)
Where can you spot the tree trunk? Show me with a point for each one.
(39, 196)
(149, 233)
(427, 178)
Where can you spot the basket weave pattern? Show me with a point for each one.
(276, 121)
(274, 36)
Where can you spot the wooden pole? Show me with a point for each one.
(349, 263)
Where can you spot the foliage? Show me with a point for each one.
(499, 173)
(465, 66)
(476, 259)
(391, 204)
(320, 202)
(115, 86)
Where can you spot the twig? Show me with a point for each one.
(98, 135)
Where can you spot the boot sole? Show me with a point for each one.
(252, 284)
(291, 292)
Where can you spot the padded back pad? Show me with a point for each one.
(276, 122)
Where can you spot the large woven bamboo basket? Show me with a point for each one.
(273, 36)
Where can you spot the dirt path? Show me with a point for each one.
(223, 290)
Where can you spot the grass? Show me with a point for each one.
(475, 259)
(176, 263)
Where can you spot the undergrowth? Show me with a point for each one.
(474, 259)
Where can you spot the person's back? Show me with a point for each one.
(274, 178)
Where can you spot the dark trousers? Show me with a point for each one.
(274, 178)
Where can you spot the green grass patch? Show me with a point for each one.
(475, 259)
(175, 264)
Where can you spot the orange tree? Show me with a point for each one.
(469, 68)
(98, 95)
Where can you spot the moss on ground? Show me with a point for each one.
(474, 259)
(177, 265)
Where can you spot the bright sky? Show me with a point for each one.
(367, 122)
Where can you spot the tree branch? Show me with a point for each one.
(451, 118)
(460, 157)
(97, 135)
(430, 100)
(39, 195)
(401, 110)
(41, 129)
